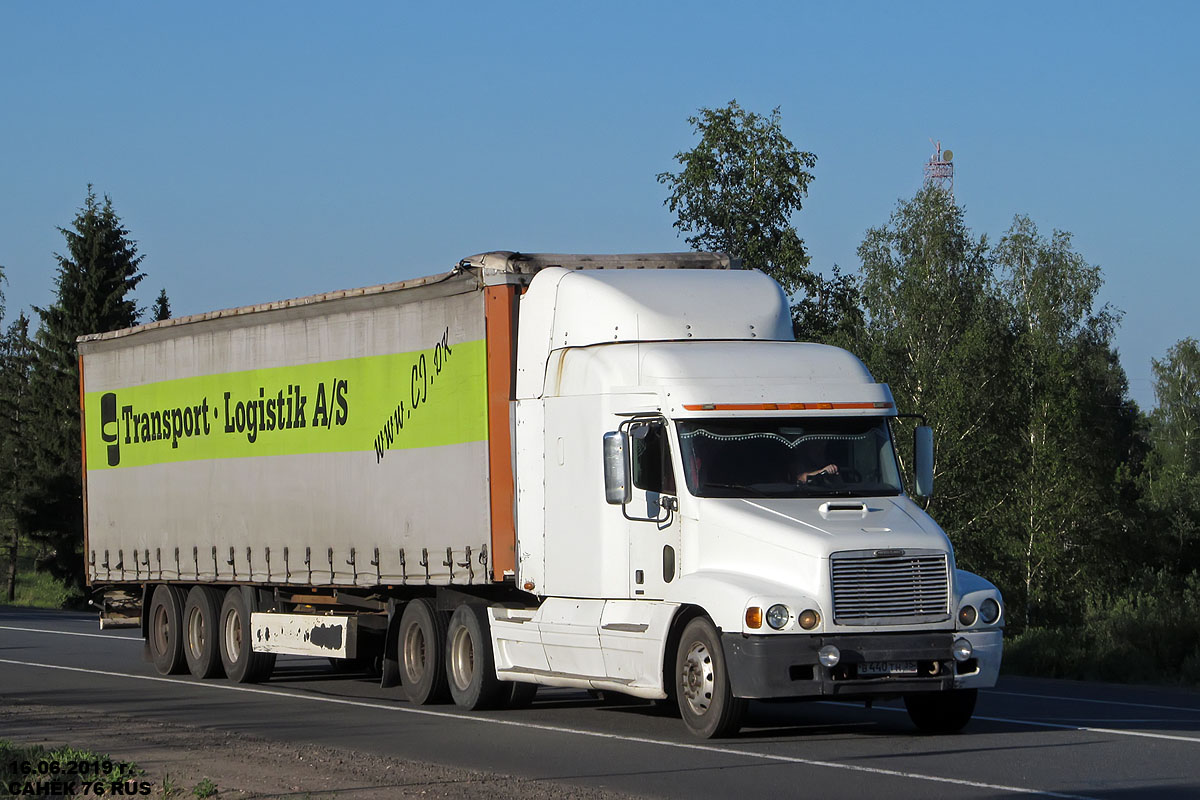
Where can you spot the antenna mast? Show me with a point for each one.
(939, 171)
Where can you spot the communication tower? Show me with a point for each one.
(939, 171)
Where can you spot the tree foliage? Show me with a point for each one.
(737, 191)
(1006, 351)
(93, 286)
(16, 468)
(162, 306)
(1173, 471)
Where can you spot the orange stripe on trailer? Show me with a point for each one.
(785, 406)
(500, 313)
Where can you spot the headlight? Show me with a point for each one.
(966, 616)
(989, 610)
(829, 656)
(962, 650)
(809, 619)
(778, 616)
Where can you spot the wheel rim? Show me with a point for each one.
(697, 678)
(414, 653)
(160, 631)
(233, 635)
(462, 658)
(195, 633)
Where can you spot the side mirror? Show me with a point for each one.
(617, 488)
(923, 460)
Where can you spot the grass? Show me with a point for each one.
(1146, 635)
(40, 590)
(35, 589)
(48, 765)
(205, 788)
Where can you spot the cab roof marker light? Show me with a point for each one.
(785, 406)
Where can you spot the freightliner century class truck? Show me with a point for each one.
(617, 473)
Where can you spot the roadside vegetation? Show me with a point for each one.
(1083, 508)
(41, 767)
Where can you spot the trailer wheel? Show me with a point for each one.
(706, 701)
(470, 665)
(422, 648)
(200, 636)
(165, 631)
(941, 712)
(241, 663)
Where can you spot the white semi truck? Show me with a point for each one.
(618, 473)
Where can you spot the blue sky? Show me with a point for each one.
(266, 150)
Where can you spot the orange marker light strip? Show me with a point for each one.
(785, 406)
(754, 617)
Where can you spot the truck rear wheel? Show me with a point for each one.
(165, 630)
(241, 663)
(422, 645)
(706, 701)
(941, 712)
(200, 636)
(470, 665)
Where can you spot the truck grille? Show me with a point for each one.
(889, 587)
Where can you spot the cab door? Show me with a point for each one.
(653, 510)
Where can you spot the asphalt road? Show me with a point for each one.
(1042, 737)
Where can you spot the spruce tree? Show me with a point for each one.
(162, 306)
(93, 294)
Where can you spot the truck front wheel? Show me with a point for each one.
(164, 635)
(470, 666)
(422, 643)
(941, 712)
(200, 635)
(706, 701)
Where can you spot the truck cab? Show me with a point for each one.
(712, 512)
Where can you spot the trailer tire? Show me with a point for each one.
(241, 663)
(470, 664)
(200, 636)
(941, 712)
(421, 651)
(705, 699)
(164, 634)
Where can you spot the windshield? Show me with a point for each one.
(796, 457)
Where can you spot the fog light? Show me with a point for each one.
(962, 650)
(966, 616)
(754, 617)
(809, 619)
(990, 610)
(829, 656)
(778, 616)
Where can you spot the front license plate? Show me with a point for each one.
(873, 668)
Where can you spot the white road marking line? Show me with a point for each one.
(558, 729)
(1039, 724)
(71, 633)
(1101, 702)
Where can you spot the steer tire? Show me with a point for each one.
(241, 663)
(421, 646)
(517, 695)
(164, 633)
(470, 665)
(941, 712)
(200, 632)
(705, 699)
